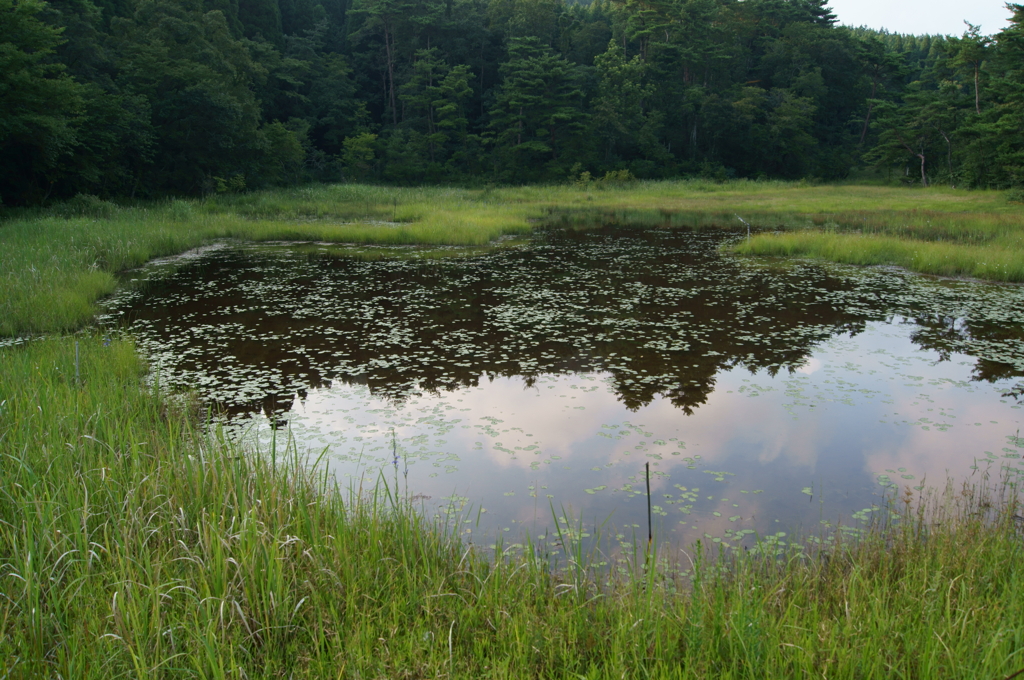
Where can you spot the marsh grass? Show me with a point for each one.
(135, 544)
(54, 268)
(57, 261)
(1002, 259)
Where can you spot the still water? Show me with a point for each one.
(534, 381)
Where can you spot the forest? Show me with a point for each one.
(145, 98)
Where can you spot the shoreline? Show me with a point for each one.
(134, 544)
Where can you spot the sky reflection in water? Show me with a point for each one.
(766, 398)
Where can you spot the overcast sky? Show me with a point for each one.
(923, 16)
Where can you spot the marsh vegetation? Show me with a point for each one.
(57, 261)
(547, 371)
(224, 476)
(133, 544)
(136, 541)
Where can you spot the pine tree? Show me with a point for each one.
(536, 110)
(40, 104)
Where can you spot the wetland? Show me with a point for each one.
(491, 359)
(513, 388)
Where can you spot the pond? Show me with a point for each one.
(531, 383)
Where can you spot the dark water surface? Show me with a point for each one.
(766, 397)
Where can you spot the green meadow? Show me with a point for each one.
(56, 262)
(136, 543)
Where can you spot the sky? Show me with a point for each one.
(923, 16)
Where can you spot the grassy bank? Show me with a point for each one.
(131, 545)
(55, 262)
(1001, 259)
(134, 545)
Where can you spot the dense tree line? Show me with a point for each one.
(143, 97)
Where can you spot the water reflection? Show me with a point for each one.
(547, 374)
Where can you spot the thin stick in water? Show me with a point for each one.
(650, 531)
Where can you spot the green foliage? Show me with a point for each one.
(56, 262)
(261, 19)
(39, 106)
(223, 186)
(621, 109)
(283, 152)
(435, 98)
(335, 113)
(115, 145)
(969, 54)
(151, 97)
(85, 205)
(135, 544)
(280, 79)
(536, 111)
(196, 78)
(359, 153)
(997, 261)
(994, 155)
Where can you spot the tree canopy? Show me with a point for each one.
(150, 97)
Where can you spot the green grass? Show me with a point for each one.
(1000, 260)
(56, 262)
(134, 545)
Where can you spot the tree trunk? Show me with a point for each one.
(949, 157)
(977, 93)
(867, 118)
(924, 177)
(430, 129)
(389, 44)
